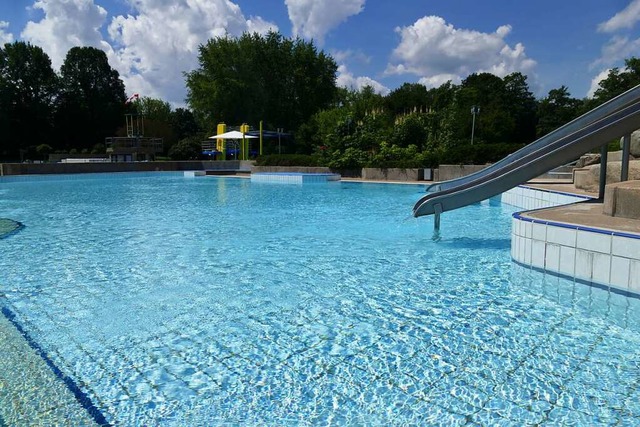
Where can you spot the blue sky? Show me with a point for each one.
(377, 42)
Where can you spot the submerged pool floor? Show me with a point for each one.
(31, 393)
(197, 302)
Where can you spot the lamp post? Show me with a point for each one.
(280, 130)
(474, 110)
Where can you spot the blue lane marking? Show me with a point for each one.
(80, 395)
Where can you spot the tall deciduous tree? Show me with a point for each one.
(28, 86)
(556, 109)
(184, 123)
(522, 105)
(153, 109)
(157, 116)
(618, 81)
(271, 78)
(494, 123)
(507, 109)
(91, 102)
(407, 98)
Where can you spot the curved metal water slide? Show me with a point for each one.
(611, 106)
(554, 153)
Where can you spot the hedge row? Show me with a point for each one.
(478, 154)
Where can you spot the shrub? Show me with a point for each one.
(351, 158)
(186, 149)
(288, 160)
(477, 154)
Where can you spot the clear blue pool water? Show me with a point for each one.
(173, 301)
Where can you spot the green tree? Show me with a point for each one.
(28, 86)
(90, 106)
(184, 123)
(43, 151)
(496, 121)
(158, 119)
(522, 105)
(271, 78)
(407, 98)
(324, 130)
(556, 109)
(411, 130)
(619, 81)
(363, 102)
(186, 149)
(153, 109)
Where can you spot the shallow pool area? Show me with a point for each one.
(214, 300)
(8, 226)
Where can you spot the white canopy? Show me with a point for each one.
(234, 134)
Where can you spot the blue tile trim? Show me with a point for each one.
(590, 283)
(80, 395)
(579, 196)
(518, 216)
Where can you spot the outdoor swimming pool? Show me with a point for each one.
(177, 301)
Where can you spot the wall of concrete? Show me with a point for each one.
(393, 174)
(447, 172)
(71, 168)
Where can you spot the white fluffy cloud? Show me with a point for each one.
(595, 82)
(439, 79)
(617, 49)
(437, 52)
(66, 23)
(624, 19)
(5, 37)
(313, 19)
(151, 47)
(348, 80)
(156, 46)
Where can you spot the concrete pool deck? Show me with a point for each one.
(589, 214)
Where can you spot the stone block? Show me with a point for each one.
(622, 200)
(588, 178)
(635, 144)
(609, 205)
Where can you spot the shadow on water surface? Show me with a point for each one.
(473, 243)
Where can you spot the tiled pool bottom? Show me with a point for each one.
(317, 363)
(30, 391)
(171, 317)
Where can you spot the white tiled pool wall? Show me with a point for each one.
(529, 198)
(278, 179)
(293, 178)
(596, 256)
